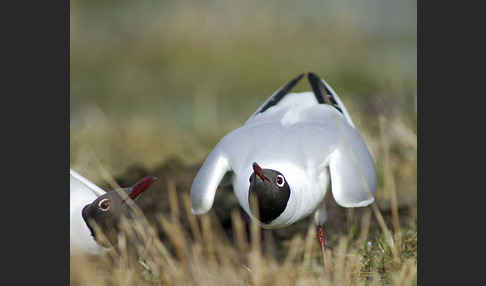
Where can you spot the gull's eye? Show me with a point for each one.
(104, 204)
(280, 181)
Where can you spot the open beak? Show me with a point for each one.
(258, 171)
(141, 186)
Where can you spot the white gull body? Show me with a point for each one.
(82, 192)
(310, 143)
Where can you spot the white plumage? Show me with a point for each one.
(310, 143)
(82, 192)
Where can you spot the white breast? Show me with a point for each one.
(298, 151)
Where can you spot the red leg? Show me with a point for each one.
(322, 241)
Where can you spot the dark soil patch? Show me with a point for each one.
(155, 202)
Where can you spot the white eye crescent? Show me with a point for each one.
(104, 204)
(280, 181)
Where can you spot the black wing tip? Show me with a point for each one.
(313, 76)
(299, 77)
(282, 92)
(314, 79)
(288, 87)
(316, 83)
(293, 82)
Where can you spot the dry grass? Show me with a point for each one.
(203, 255)
(200, 253)
(150, 80)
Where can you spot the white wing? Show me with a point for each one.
(353, 172)
(334, 95)
(277, 96)
(206, 182)
(283, 99)
(82, 192)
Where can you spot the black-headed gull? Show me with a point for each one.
(284, 156)
(89, 203)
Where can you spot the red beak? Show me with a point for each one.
(258, 171)
(141, 186)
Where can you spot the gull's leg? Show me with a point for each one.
(320, 217)
(322, 241)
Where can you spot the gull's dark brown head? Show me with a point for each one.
(269, 192)
(107, 210)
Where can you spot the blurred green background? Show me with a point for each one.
(155, 79)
